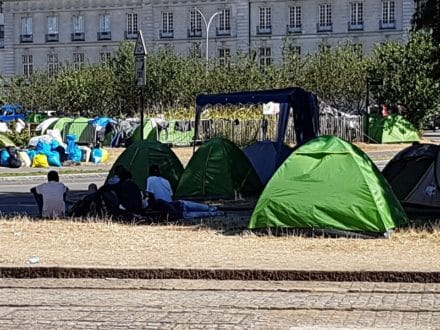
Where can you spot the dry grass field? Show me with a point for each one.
(104, 243)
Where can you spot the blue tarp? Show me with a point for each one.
(102, 121)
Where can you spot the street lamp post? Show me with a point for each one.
(207, 26)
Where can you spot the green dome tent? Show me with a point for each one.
(60, 124)
(392, 129)
(141, 155)
(5, 141)
(328, 184)
(150, 131)
(217, 170)
(81, 127)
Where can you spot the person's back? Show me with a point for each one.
(53, 194)
(129, 195)
(160, 188)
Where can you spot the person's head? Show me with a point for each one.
(53, 176)
(125, 175)
(154, 170)
(119, 169)
(92, 188)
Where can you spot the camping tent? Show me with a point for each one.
(414, 175)
(328, 184)
(142, 154)
(262, 155)
(150, 131)
(5, 141)
(392, 129)
(304, 105)
(81, 127)
(43, 126)
(36, 118)
(217, 170)
(60, 124)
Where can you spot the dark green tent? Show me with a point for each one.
(218, 169)
(329, 184)
(392, 129)
(142, 154)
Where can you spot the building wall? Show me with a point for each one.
(244, 21)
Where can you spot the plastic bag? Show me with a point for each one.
(97, 155)
(4, 158)
(40, 161)
(54, 159)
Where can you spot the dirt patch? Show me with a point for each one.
(68, 243)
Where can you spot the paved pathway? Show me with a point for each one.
(181, 304)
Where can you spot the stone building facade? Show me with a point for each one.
(42, 34)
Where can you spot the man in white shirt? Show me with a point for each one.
(160, 197)
(50, 196)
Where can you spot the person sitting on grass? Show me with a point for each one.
(51, 196)
(122, 199)
(160, 198)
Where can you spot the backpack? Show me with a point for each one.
(14, 158)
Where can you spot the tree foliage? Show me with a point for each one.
(407, 71)
(337, 75)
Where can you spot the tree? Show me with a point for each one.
(407, 73)
(427, 17)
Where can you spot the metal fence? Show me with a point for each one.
(240, 131)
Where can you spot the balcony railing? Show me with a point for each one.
(388, 24)
(26, 38)
(131, 35)
(105, 35)
(358, 26)
(294, 29)
(52, 37)
(267, 29)
(327, 27)
(78, 36)
(222, 32)
(166, 34)
(194, 33)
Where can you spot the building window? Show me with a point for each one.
(292, 51)
(356, 16)
(224, 56)
(78, 28)
(52, 28)
(132, 26)
(265, 21)
(104, 27)
(1, 7)
(265, 56)
(52, 64)
(195, 50)
(295, 19)
(78, 24)
(195, 24)
(28, 67)
(167, 25)
(224, 22)
(2, 36)
(26, 29)
(388, 15)
(325, 17)
(324, 47)
(358, 49)
(78, 60)
(105, 56)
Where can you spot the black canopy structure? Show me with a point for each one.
(304, 105)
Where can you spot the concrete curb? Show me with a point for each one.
(29, 272)
(14, 178)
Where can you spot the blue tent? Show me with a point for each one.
(304, 105)
(262, 155)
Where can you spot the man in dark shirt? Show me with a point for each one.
(124, 198)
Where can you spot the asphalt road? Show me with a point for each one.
(200, 304)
